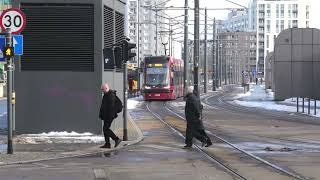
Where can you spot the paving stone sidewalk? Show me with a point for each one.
(24, 153)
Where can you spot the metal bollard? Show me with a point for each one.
(308, 105)
(297, 104)
(315, 107)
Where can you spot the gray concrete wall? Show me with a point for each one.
(63, 100)
(268, 73)
(297, 64)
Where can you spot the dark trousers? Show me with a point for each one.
(107, 132)
(193, 130)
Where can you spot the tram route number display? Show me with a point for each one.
(14, 19)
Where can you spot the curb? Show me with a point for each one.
(87, 152)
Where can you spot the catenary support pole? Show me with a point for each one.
(214, 72)
(205, 64)
(186, 48)
(138, 46)
(196, 47)
(156, 33)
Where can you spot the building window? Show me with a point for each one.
(307, 12)
(307, 24)
(295, 10)
(267, 41)
(277, 10)
(282, 25)
(268, 26)
(277, 26)
(289, 24)
(268, 10)
(282, 11)
(289, 11)
(295, 23)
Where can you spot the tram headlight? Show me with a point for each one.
(147, 87)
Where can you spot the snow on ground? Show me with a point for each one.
(66, 137)
(258, 97)
(59, 137)
(134, 102)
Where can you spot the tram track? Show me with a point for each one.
(215, 160)
(210, 157)
(240, 109)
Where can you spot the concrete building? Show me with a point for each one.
(238, 20)
(269, 17)
(143, 28)
(237, 53)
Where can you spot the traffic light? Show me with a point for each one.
(126, 47)
(112, 58)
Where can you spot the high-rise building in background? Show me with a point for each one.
(144, 21)
(238, 20)
(269, 17)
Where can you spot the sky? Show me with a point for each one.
(219, 14)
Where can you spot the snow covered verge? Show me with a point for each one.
(65, 137)
(258, 97)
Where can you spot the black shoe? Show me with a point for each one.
(117, 142)
(105, 146)
(187, 146)
(209, 143)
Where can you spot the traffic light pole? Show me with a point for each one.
(126, 55)
(125, 98)
(10, 69)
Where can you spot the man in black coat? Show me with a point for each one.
(194, 124)
(108, 114)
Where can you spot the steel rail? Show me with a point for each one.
(207, 155)
(241, 150)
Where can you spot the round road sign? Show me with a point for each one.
(14, 19)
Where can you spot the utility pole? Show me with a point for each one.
(138, 45)
(196, 46)
(171, 39)
(225, 58)
(186, 55)
(205, 64)
(220, 62)
(156, 32)
(217, 61)
(214, 56)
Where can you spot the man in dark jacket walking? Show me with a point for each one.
(194, 124)
(108, 114)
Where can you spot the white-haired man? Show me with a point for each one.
(194, 125)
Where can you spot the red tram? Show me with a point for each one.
(163, 78)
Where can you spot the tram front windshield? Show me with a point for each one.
(157, 75)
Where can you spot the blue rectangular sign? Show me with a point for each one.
(2, 46)
(17, 44)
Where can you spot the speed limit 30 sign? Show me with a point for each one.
(14, 19)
